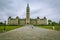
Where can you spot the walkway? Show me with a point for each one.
(31, 33)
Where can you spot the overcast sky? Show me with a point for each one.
(42, 8)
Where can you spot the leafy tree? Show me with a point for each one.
(49, 22)
(54, 24)
(1, 23)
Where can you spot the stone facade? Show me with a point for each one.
(17, 21)
(28, 20)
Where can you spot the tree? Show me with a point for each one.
(54, 24)
(1, 23)
(49, 22)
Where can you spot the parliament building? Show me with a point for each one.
(28, 20)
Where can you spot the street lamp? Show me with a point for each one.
(4, 26)
(4, 29)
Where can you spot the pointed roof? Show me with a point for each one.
(27, 4)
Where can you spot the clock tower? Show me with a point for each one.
(27, 14)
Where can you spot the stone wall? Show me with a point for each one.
(12, 21)
(18, 21)
(33, 21)
(22, 22)
(41, 21)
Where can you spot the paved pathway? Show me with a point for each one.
(30, 33)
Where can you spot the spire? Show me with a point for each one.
(27, 4)
(28, 8)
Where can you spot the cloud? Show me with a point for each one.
(41, 8)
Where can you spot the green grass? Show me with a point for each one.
(50, 27)
(8, 28)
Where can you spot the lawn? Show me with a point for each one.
(8, 28)
(50, 27)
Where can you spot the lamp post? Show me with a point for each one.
(4, 26)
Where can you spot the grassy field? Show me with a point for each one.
(8, 28)
(50, 27)
(14, 27)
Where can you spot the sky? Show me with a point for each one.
(38, 8)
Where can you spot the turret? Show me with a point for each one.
(17, 20)
(45, 20)
(17, 17)
(9, 20)
(9, 17)
(44, 17)
(38, 18)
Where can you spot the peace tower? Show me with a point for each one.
(27, 14)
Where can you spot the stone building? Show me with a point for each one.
(28, 20)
